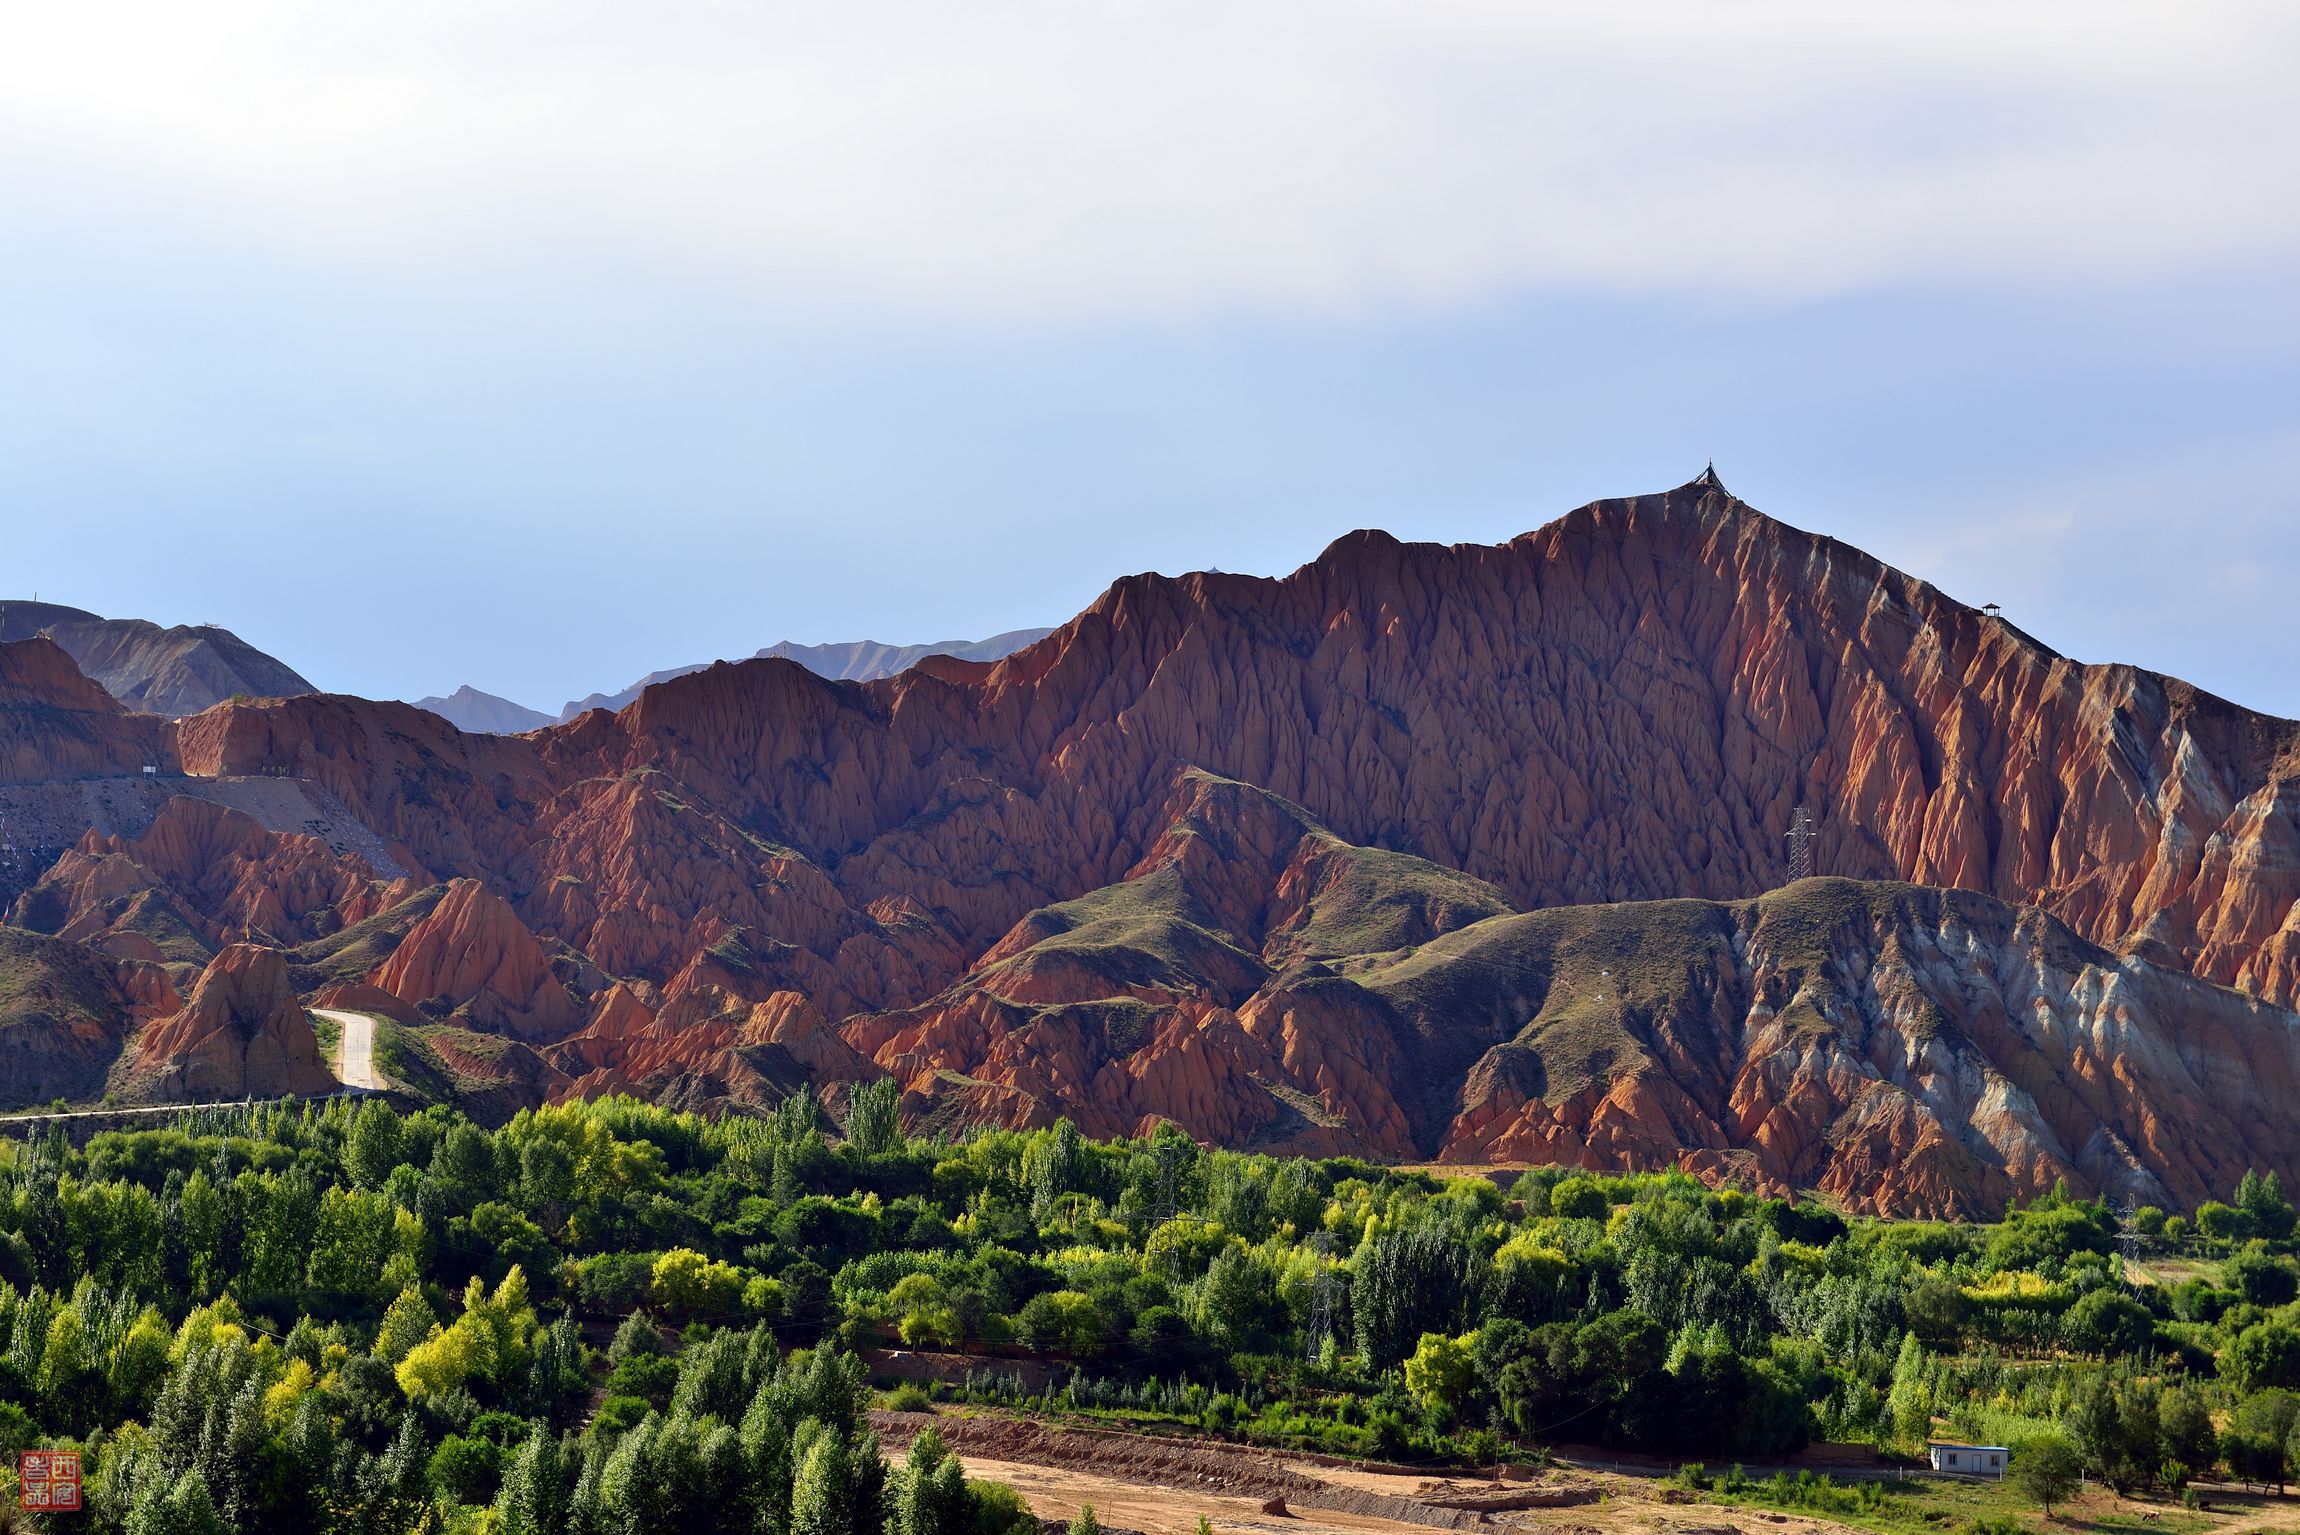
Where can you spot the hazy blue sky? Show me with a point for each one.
(537, 345)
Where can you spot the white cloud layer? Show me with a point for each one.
(1163, 157)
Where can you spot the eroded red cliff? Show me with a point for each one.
(1149, 866)
(241, 1034)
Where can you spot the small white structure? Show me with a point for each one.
(1968, 1459)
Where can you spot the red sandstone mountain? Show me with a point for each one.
(1899, 1047)
(1156, 863)
(63, 1018)
(241, 1034)
(1626, 704)
(472, 952)
(198, 876)
(57, 725)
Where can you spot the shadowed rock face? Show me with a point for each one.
(1204, 852)
(56, 725)
(63, 1016)
(242, 1034)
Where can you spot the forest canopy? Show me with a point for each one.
(609, 1316)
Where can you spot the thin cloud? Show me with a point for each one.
(1122, 159)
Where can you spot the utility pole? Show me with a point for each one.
(1801, 835)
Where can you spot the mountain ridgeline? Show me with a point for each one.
(1471, 852)
(171, 671)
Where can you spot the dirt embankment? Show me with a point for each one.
(1180, 1469)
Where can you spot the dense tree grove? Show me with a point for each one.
(612, 1318)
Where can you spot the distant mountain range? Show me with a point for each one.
(467, 708)
(171, 671)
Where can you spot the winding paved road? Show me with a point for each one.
(354, 1068)
(355, 1055)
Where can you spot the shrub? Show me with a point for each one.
(620, 1414)
(466, 1469)
(652, 1377)
(1000, 1510)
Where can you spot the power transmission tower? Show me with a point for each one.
(1801, 835)
(2128, 1238)
(1323, 1282)
(1169, 1181)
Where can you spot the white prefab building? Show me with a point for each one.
(1969, 1459)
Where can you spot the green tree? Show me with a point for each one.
(924, 1316)
(930, 1493)
(1579, 1198)
(2047, 1470)
(1051, 1166)
(371, 1150)
(2261, 1279)
(2252, 1457)
(447, 1361)
(687, 1284)
(535, 1497)
(1060, 1322)
(2260, 1196)
(821, 1490)
(2217, 1222)
(1237, 1300)
(1441, 1371)
(181, 1507)
(67, 1369)
(1406, 1283)
(2262, 1356)
(1936, 1310)
(463, 1169)
(872, 1127)
(467, 1470)
(408, 1322)
(205, 1217)
(2186, 1426)
(2107, 1322)
(2263, 1426)
(1086, 1523)
(1910, 1402)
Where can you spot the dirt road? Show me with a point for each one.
(355, 1055)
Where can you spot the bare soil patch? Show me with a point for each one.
(1161, 1486)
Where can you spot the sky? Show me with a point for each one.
(540, 345)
